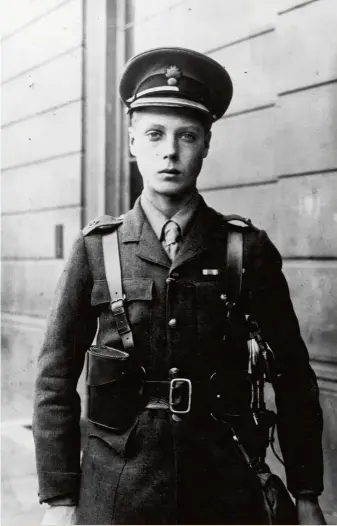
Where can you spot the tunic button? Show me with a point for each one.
(172, 323)
(173, 372)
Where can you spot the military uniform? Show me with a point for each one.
(159, 469)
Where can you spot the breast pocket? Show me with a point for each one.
(211, 312)
(138, 301)
(139, 295)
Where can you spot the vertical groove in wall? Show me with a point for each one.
(84, 123)
(94, 131)
(121, 166)
(110, 114)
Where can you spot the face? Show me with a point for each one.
(170, 145)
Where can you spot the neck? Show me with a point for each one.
(169, 205)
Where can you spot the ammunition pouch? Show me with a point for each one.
(115, 387)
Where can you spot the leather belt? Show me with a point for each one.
(179, 395)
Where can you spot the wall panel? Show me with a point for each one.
(28, 286)
(32, 235)
(21, 338)
(253, 202)
(16, 16)
(51, 134)
(242, 150)
(194, 24)
(139, 12)
(41, 183)
(307, 213)
(306, 131)
(285, 5)
(253, 69)
(35, 91)
(304, 33)
(51, 35)
(44, 185)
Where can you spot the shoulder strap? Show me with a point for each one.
(234, 264)
(103, 224)
(112, 265)
(235, 254)
(114, 279)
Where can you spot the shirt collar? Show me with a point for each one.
(157, 219)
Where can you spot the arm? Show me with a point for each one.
(299, 415)
(70, 330)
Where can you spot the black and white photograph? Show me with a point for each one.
(168, 262)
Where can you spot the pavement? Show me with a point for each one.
(19, 500)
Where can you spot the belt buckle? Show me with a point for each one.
(189, 397)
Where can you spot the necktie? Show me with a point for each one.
(172, 237)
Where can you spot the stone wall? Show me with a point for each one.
(42, 97)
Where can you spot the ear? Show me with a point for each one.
(132, 141)
(207, 142)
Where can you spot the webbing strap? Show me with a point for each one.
(114, 279)
(234, 264)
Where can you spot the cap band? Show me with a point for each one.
(152, 90)
(155, 90)
(167, 101)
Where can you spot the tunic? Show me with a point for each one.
(158, 471)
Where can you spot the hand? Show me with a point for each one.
(309, 511)
(59, 515)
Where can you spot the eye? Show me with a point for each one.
(154, 135)
(188, 137)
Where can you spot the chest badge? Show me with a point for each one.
(210, 271)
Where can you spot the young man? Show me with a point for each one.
(162, 452)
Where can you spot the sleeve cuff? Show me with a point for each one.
(54, 486)
(61, 501)
(306, 493)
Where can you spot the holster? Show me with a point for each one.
(115, 387)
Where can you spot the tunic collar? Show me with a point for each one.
(158, 220)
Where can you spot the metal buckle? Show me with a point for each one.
(118, 311)
(171, 401)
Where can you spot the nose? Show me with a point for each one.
(170, 147)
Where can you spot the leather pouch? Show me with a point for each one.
(115, 387)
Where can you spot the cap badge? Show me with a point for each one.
(173, 74)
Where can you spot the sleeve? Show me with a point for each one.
(299, 415)
(71, 327)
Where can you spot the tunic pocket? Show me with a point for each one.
(102, 466)
(139, 294)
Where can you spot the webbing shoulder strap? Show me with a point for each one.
(234, 264)
(113, 274)
(112, 265)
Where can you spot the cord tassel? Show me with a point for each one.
(253, 354)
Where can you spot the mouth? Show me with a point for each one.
(170, 171)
